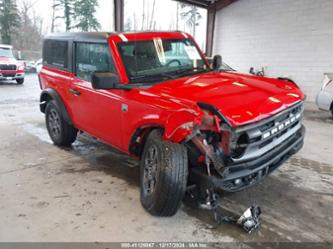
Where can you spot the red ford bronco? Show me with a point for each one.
(10, 68)
(154, 96)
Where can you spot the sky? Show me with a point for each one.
(165, 17)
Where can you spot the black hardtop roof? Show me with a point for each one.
(92, 36)
(100, 36)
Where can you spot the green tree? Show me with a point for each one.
(67, 7)
(128, 24)
(9, 20)
(84, 14)
(191, 15)
(29, 35)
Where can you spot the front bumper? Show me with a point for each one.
(11, 75)
(245, 174)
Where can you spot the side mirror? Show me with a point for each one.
(217, 62)
(104, 80)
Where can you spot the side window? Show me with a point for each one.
(55, 53)
(91, 57)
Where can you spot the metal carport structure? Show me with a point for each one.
(212, 7)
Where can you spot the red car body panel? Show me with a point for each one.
(171, 105)
(243, 99)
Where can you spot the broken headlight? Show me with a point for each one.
(240, 146)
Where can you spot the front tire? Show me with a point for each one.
(60, 132)
(20, 81)
(163, 175)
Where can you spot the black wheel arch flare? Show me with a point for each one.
(51, 94)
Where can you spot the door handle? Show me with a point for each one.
(75, 92)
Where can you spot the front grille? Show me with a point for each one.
(8, 75)
(251, 172)
(7, 67)
(267, 134)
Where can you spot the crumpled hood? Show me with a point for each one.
(241, 98)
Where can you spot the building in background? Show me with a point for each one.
(287, 38)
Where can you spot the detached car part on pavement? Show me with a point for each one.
(154, 96)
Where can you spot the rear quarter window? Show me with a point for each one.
(55, 54)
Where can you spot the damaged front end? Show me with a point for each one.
(234, 158)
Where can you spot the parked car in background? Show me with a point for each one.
(154, 96)
(324, 98)
(30, 67)
(38, 65)
(10, 68)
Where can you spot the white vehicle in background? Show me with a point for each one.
(38, 65)
(324, 98)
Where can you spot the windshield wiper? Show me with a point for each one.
(152, 77)
(170, 75)
(192, 69)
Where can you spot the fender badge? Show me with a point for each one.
(124, 107)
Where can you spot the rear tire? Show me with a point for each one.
(20, 81)
(163, 175)
(60, 132)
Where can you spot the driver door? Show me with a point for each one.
(96, 112)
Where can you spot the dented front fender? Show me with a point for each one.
(180, 124)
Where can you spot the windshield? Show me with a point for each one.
(225, 67)
(160, 59)
(6, 52)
